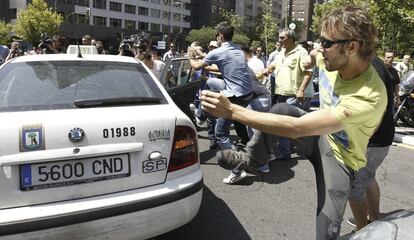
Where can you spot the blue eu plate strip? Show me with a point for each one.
(26, 175)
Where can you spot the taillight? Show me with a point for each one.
(184, 150)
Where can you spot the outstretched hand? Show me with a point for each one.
(216, 104)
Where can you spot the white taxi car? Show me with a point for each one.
(92, 147)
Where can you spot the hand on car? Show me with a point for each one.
(216, 104)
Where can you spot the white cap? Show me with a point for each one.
(213, 43)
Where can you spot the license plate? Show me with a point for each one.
(65, 173)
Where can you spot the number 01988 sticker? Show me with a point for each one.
(118, 132)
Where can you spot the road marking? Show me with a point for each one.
(405, 146)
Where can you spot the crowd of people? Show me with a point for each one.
(268, 101)
(346, 139)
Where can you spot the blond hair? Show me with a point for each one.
(353, 23)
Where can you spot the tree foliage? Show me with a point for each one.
(203, 35)
(230, 17)
(393, 18)
(5, 29)
(240, 38)
(267, 30)
(37, 19)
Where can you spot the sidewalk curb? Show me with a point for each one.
(401, 138)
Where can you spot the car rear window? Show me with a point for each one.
(47, 85)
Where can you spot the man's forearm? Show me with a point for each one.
(305, 82)
(196, 63)
(310, 124)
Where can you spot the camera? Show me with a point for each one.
(126, 44)
(139, 41)
(44, 41)
(18, 50)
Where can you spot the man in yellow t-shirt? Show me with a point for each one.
(334, 138)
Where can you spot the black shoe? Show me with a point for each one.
(213, 144)
(232, 159)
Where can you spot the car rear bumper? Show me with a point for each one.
(134, 214)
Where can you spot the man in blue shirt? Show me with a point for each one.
(237, 80)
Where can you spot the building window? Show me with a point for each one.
(155, 1)
(143, 26)
(166, 2)
(130, 24)
(177, 17)
(84, 3)
(177, 4)
(99, 21)
(101, 4)
(155, 13)
(115, 22)
(130, 9)
(115, 6)
(80, 19)
(176, 29)
(143, 11)
(155, 27)
(166, 15)
(186, 18)
(165, 29)
(13, 13)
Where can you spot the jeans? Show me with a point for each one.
(284, 143)
(333, 179)
(261, 103)
(222, 127)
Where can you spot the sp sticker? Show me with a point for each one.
(31, 138)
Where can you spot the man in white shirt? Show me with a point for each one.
(171, 53)
(405, 66)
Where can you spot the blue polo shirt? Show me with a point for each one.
(233, 67)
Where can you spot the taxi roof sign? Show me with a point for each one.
(84, 49)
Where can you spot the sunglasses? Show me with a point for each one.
(329, 43)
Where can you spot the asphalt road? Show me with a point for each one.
(281, 204)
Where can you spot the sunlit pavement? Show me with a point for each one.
(404, 135)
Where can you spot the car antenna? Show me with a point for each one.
(79, 49)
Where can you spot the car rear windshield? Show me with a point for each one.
(47, 85)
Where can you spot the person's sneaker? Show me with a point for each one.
(192, 108)
(351, 221)
(235, 177)
(233, 159)
(213, 144)
(264, 168)
(199, 122)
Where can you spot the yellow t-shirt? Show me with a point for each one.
(359, 104)
(289, 71)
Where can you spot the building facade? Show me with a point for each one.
(111, 20)
(251, 9)
(300, 11)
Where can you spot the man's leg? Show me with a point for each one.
(333, 180)
(222, 133)
(364, 198)
(359, 210)
(260, 145)
(373, 198)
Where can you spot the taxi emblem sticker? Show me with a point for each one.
(31, 138)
